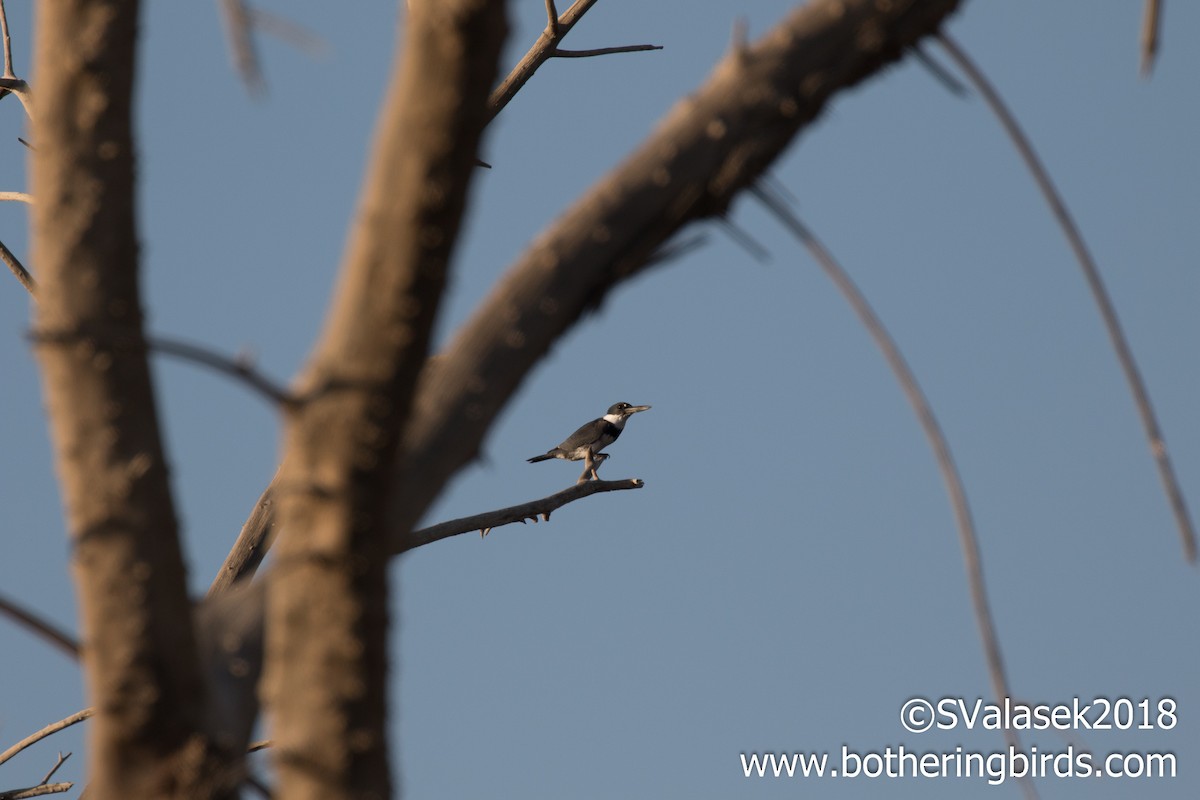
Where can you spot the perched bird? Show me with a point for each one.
(587, 442)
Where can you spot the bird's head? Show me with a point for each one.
(623, 411)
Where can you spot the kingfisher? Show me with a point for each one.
(587, 442)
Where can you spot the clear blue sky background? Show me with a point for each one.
(790, 575)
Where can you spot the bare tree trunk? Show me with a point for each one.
(139, 651)
(327, 609)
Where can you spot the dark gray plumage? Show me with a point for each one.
(587, 442)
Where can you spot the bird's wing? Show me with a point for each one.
(588, 432)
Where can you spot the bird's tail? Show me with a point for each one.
(542, 457)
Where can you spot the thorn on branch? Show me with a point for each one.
(558, 52)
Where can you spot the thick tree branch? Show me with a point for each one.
(145, 680)
(711, 146)
(326, 681)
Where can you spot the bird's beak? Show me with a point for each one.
(635, 409)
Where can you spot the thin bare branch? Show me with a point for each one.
(1108, 312)
(241, 368)
(47, 630)
(1151, 19)
(40, 790)
(551, 19)
(290, 31)
(18, 269)
(545, 48)
(968, 538)
(533, 510)
(49, 730)
(743, 239)
(19, 197)
(942, 75)
(61, 760)
(558, 52)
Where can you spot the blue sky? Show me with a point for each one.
(790, 575)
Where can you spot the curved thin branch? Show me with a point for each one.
(533, 510)
(968, 538)
(49, 730)
(239, 367)
(20, 197)
(1141, 396)
(47, 630)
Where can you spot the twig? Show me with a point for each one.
(262, 744)
(49, 730)
(237, 19)
(942, 75)
(968, 538)
(1150, 24)
(241, 368)
(551, 19)
(1141, 397)
(36, 791)
(20, 197)
(543, 49)
(18, 269)
(534, 510)
(61, 760)
(558, 52)
(289, 31)
(48, 631)
(743, 239)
